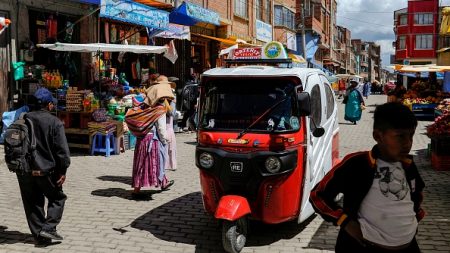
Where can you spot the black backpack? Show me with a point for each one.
(20, 146)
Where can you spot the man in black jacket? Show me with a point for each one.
(48, 174)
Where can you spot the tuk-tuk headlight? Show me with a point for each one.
(206, 160)
(272, 164)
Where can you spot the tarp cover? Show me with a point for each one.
(190, 14)
(103, 47)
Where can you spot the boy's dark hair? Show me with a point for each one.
(394, 115)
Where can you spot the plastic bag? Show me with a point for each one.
(345, 100)
(9, 117)
(18, 70)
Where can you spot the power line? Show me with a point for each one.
(363, 21)
(374, 12)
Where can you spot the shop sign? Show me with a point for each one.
(291, 41)
(202, 14)
(274, 50)
(263, 31)
(135, 13)
(176, 31)
(247, 53)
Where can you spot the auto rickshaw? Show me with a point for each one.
(266, 135)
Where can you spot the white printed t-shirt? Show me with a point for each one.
(387, 214)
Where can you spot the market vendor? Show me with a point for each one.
(159, 88)
(397, 93)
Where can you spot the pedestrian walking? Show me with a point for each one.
(367, 89)
(382, 189)
(341, 88)
(354, 103)
(49, 173)
(148, 124)
(171, 163)
(189, 97)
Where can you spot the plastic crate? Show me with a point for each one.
(440, 162)
(441, 146)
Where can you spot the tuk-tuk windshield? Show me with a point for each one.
(235, 104)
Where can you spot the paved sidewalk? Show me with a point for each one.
(100, 215)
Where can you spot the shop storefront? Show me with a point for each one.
(202, 50)
(85, 61)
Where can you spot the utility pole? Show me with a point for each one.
(302, 6)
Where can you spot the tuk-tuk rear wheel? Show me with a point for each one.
(234, 235)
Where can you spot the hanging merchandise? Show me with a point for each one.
(52, 27)
(4, 23)
(69, 32)
(18, 70)
(138, 69)
(133, 71)
(113, 34)
(106, 54)
(125, 83)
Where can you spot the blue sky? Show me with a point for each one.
(372, 20)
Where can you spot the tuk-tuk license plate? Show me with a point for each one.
(236, 166)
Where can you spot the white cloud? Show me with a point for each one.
(386, 50)
(372, 20)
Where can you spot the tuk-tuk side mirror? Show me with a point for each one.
(304, 103)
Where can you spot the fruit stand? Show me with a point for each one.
(423, 99)
(439, 133)
(428, 100)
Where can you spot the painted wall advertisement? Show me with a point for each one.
(263, 31)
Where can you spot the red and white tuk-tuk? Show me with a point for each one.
(267, 133)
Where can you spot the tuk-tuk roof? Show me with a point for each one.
(260, 71)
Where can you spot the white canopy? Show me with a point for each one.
(420, 68)
(103, 47)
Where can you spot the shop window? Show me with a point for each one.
(240, 8)
(67, 63)
(424, 41)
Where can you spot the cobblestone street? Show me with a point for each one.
(100, 215)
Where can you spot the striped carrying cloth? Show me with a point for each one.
(141, 120)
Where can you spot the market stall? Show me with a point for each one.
(428, 100)
(86, 113)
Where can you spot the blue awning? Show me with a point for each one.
(134, 13)
(97, 2)
(190, 14)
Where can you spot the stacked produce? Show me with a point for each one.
(444, 106)
(440, 128)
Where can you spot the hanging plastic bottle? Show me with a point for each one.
(52, 27)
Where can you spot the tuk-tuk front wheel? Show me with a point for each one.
(234, 235)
